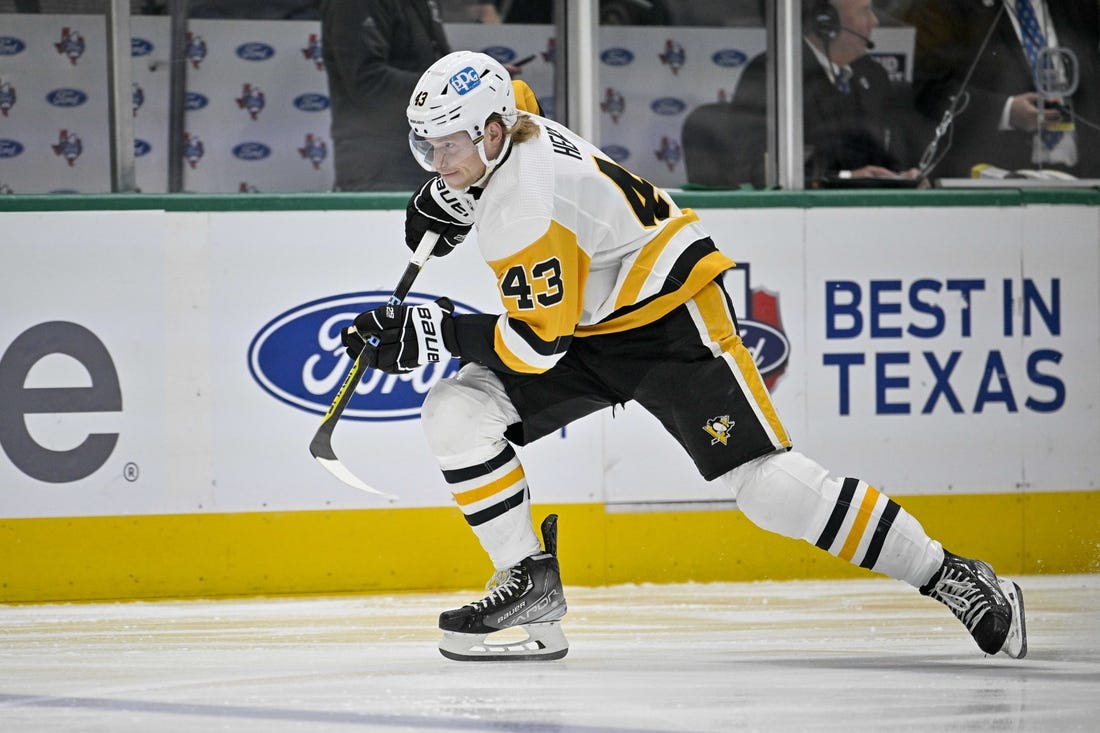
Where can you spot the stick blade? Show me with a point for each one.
(340, 471)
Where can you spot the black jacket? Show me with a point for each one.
(374, 52)
(724, 143)
(949, 34)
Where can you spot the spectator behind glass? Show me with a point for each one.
(374, 53)
(857, 124)
(999, 124)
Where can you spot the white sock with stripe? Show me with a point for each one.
(789, 494)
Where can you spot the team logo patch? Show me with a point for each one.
(719, 429)
(193, 149)
(673, 56)
(669, 153)
(613, 104)
(196, 50)
(312, 52)
(69, 146)
(315, 150)
(252, 100)
(7, 97)
(71, 45)
(465, 81)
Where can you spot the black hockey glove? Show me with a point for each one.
(437, 208)
(409, 336)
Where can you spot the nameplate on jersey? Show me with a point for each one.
(562, 144)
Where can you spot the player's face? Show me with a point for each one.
(455, 158)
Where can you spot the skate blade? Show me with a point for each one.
(1015, 644)
(544, 642)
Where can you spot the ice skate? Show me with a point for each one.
(991, 608)
(527, 595)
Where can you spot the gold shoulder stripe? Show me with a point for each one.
(647, 258)
(705, 270)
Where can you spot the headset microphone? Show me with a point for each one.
(865, 39)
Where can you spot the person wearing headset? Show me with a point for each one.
(857, 124)
(1002, 119)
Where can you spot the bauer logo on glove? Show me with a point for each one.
(438, 208)
(408, 336)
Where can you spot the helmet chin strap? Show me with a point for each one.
(491, 165)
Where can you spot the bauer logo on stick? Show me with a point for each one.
(465, 81)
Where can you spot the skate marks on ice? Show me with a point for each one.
(850, 655)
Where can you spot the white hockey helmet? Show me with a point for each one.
(458, 93)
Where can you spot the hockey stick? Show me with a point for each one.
(321, 445)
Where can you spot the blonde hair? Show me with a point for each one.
(525, 128)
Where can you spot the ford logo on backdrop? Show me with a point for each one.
(66, 97)
(9, 46)
(729, 58)
(195, 101)
(251, 151)
(617, 56)
(255, 51)
(667, 106)
(617, 153)
(140, 47)
(298, 359)
(311, 102)
(10, 148)
(767, 344)
(503, 54)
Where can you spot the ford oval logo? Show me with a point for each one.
(195, 101)
(617, 56)
(503, 54)
(729, 58)
(251, 151)
(140, 47)
(255, 51)
(297, 358)
(141, 148)
(9, 46)
(617, 153)
(311, 102)
(667, 106)
(767, 344)
(66, 97)
(10, 148)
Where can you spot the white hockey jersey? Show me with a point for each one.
(581, 246)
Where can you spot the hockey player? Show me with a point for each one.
(610, 292)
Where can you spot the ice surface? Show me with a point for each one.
(862, 655)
